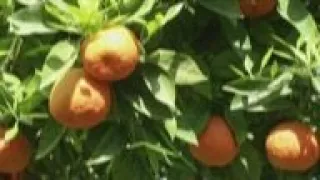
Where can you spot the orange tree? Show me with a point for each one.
(159, 89)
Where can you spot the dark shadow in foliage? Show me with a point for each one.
(134, 91)
(195, 110)
(105, 142)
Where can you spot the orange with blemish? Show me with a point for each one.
(78, 101)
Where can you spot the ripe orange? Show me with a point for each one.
(77, 101)
(217, 146)
(256, 8)
(111, 54)
(14, 155)
(292, 146)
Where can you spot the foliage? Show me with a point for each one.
(198, 58)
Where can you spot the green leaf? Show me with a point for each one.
(6, 98)
(31, 85)
(237, 171)
(229, 9)
(182, 67)
(161, 19)
(59, 60)
(298, 16)
(12, 82)
(253, 93)
(5, 44)
(274, 70)
(280, 85)
(3, 3)
(238, 37)
(272, 105)
(172, 12)
(13, 85)
(246, 86)
(251, 161)
(30, 103)
(171, 126)
(136, 92)
(248, 166)
(221, 65)
(29, 20)
(50, 137)
(239, 124)
(177, 173)
(149, 106)
(193, 115)
(144, 9)
(298, 54)
(248, 65)
(188, 73)
(104, 144)
(258, 88)
(68, 17)
(89, 16)
(161, 86)
(129, 6)
(89, 5)
(29, 2)
(266, 59)
(131, 166)
(316, 84)
(187, 135)
(204, 88)
(29, 118)
(153, 147)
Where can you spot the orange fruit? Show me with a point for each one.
(217, 146)
(256, 8)
(111, 54)
(78, 101)
(15, 154)
(292, 146)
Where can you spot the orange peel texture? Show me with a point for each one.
(15, 154)
(292, 146)
(217, 146)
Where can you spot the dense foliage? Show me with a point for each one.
(256, 63)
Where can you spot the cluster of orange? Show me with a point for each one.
(291, 145)
(82, 98)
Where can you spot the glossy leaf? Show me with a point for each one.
(51, 135)
(59, 60)
(29, 21)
